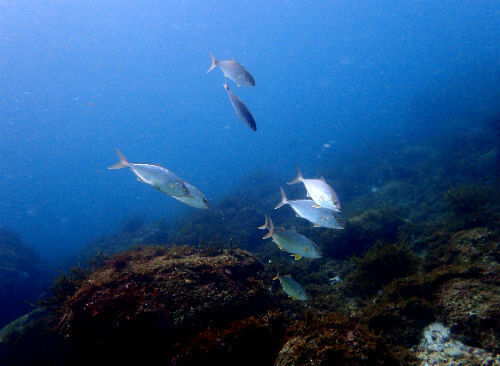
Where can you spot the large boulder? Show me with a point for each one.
(173, 306)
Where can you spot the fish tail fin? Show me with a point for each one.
(266, 224)
(123, 163)
(213, 64)
(276, 277)
(283, 201)
(271, 226)
(299, 177)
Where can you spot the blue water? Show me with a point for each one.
(80, 78)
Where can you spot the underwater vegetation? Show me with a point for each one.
(153, 302)
(381, 264)
(334, 340)
(470, 205)
(456, 287)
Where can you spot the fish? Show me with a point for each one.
(292, 288)
(320, 217)
(233, 71)
(241, 109)
(291, 241)
(319, 191)
(195, 199)
(155, 175)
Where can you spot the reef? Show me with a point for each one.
(334, 340)
(153, 302)
(167, 305)
(21, 276)
(459, 286)
(438, 348)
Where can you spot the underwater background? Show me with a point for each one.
(395, 103)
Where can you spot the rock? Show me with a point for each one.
(177, 306)
(472, 309)
(439, 349)
(334, 340)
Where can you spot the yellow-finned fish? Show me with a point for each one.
(292, 288)
(291, 241)
(233, 71)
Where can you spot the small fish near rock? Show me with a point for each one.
(292, 288)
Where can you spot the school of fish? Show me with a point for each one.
(321, 207)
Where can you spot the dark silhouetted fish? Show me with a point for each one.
(241, 109)
(233, 71)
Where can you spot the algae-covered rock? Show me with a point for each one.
(32, 340)
(334, 340)
(154, 304)
(471, 308)
(458, 285)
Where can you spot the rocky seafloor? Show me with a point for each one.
(413, 279)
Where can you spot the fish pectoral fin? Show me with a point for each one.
(296, 256)
(316, 206)
(316, 225)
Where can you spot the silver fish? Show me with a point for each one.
(291, 241)
(155, 175)
(292, 288)
(319, 191)
(241, 109)
(320, 217)
(195, 199)
(233, 71)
